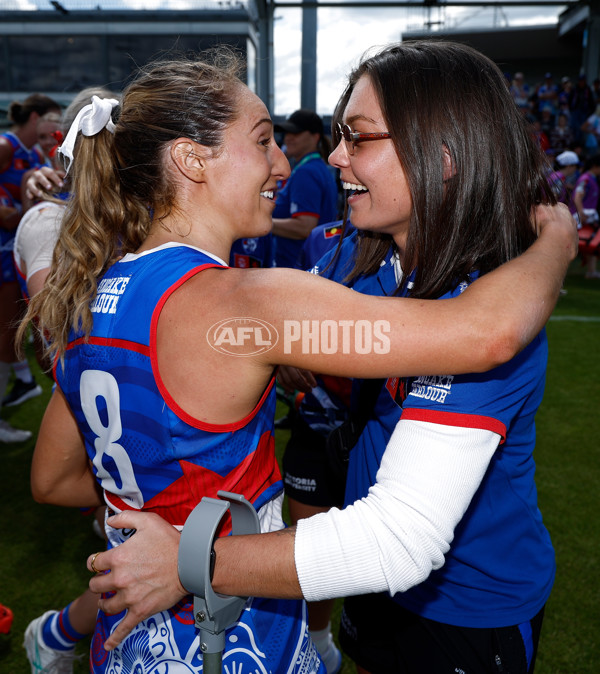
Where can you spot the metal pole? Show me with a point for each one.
(308, 82)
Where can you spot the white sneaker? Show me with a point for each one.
(10, 434)
(45, 660)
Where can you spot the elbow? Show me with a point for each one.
(500, 347)
(508, 337)
(43, 491)
(41, 494)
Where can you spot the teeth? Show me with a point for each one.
(268, 194)
(356, 188)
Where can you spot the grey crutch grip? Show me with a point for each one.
(213, 612)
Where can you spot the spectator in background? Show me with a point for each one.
(566, 163)
(548, 94)
(547, 120)
(310, 195)
(581, 105)
(590, 130)
(566, 86)
(561, 136)
(585, 205)
(519, 90)
(537, 132)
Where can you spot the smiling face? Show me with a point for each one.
(243, 176)
(45, 129)
(380, 198)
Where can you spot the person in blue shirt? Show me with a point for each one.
(310, 195)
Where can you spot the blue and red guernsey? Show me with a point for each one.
(22, 160)
(147, 453)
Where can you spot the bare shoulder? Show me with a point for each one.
(213, 384)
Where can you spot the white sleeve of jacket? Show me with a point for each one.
(394, 537)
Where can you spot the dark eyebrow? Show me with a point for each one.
(266, 120)
(353, 119)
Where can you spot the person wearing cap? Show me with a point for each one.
(567, 163)
(310, 196)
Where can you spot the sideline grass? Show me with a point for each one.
(44, 547)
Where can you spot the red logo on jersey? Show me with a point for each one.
(398, 389)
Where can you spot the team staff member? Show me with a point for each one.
(310, 195)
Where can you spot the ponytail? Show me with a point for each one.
(101, 223)
(119, 181)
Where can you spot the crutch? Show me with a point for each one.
(213, 612)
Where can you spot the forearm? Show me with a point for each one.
(259, 565)
(389, 541)
(294, 228)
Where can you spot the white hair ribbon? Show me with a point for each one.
(90, 120)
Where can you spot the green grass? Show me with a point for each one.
(44, 548)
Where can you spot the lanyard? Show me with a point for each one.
(305, 160)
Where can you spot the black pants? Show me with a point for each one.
(384, 638)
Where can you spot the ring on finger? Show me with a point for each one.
(92, 563)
